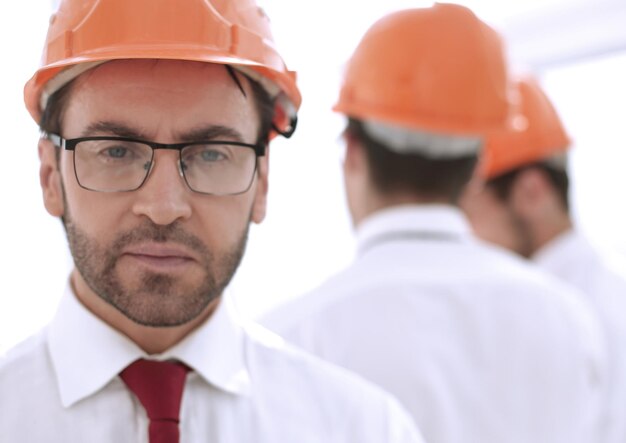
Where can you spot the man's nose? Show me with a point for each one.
(164, 197)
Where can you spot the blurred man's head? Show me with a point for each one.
(420, 92)
(520, 198)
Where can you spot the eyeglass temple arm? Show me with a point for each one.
(56, 139)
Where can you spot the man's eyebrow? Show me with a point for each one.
(212, 132)
(119, 129)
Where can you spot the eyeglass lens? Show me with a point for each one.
(116, 165)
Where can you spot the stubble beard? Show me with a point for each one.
(155, 299)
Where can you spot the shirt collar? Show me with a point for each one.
(216, 351)
(87, 353)
(419, 221)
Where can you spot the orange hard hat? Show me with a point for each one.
(543, 138)
(84, 33)
(438, 69)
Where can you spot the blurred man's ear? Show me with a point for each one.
(354, 159)
(356, 176)
(475, 186)
(50, 178)
(259, 205)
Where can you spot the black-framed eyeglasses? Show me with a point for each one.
(121, 164)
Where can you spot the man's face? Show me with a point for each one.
(495, 220)
(162, 253)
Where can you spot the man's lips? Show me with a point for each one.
(160, 255)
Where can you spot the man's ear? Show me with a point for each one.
(259, 205)
(50, 178)
(354, 159)
(472, 194)
(475, 186)
(529, 192)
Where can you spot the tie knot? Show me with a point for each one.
(158, 385)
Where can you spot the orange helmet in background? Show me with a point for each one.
(84, 33)
(438, 69)
(544, 136)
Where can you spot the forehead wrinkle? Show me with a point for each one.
(150, 70)
(240, 81)
(114, 126)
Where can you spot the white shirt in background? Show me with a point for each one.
(572, 258)
(478, 345)
(246, 386)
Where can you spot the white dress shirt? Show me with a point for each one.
(246, 386)
(479, 346)
(574, 259)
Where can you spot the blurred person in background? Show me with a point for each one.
(520, 201)
(477, 344)
(156, 117)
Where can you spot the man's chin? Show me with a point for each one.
(163, 306)
(161, 317)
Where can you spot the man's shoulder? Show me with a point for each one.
(26, 370)
(269, 353)
(521, 275)
(480, 280)
(610, 267)
(344, 400)
(478, 271)
(532, 289)
(25, 356)
(308, 389)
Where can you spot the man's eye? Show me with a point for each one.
(116, 152)
(211, 155)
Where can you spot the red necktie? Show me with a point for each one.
(159, 387)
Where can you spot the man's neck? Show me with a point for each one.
(153, 340)
(379, 203)
(547, 231)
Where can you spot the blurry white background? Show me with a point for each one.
(576, 47)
